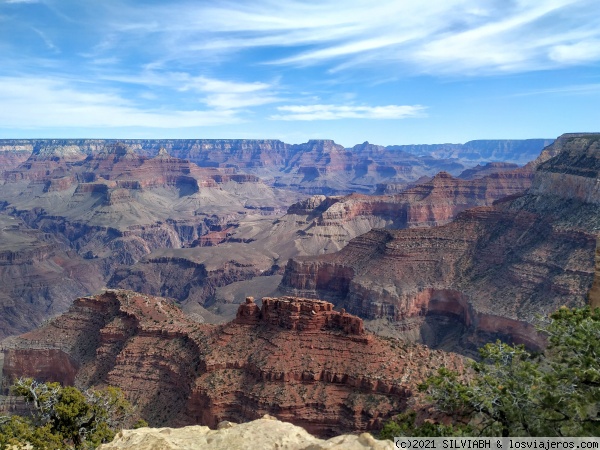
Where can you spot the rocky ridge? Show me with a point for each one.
(515, 151)
(487, 273)
(480, 171)
(314, 167)
(292, 358)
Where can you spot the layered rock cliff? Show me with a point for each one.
(312, 226)
(12, 155)
(296, 359)
(488, 272)
(106, 210)
(314, 167)
(136, 216)
(36, 267)
(474, 152)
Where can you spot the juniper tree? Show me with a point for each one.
(515, 393)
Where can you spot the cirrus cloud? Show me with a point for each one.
(52, 103)
(333, 112)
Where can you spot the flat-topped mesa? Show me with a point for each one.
(301, 314)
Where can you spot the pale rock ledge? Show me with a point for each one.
(265, 433)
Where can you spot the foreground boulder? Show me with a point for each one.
(261, 433)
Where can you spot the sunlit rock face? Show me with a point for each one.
(489, 272)
(293, 357)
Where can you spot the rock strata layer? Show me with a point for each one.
(92, 214)
(314, 167)
(293, 358)
(487, 273)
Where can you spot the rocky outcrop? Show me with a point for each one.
(574, 173)
(293, 358)
(490, 271)
(299, 314)
(266, 432)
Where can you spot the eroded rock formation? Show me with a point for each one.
(293, 358)
(489, 271)
(312, 226)
(93, 214)
(314, 167)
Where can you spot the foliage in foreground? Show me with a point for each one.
(516, 393)
(65, 417)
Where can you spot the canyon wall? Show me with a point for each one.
(526, 255)
(71, 220)
(314, 167)
(316, 225)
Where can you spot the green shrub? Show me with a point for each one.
(65, 417)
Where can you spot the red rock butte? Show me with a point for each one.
(300, 314)
(294, 358)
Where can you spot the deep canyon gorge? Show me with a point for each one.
(137, 264)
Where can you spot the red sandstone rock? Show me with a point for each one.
(295, 359)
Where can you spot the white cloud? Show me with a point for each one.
(518, 41)
(333, 112)
(443, 36)
(579, 52)
(46, 39)
(222, 94)
(214, 93)
(48, 103)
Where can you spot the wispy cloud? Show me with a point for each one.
(46, 39)
(48, 103)
(583, 89)
(214, 93)
(222, 94)
(448, 36)
(181, 63)
(578, 52)
(333, 112)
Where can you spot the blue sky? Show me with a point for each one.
(390, 72)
